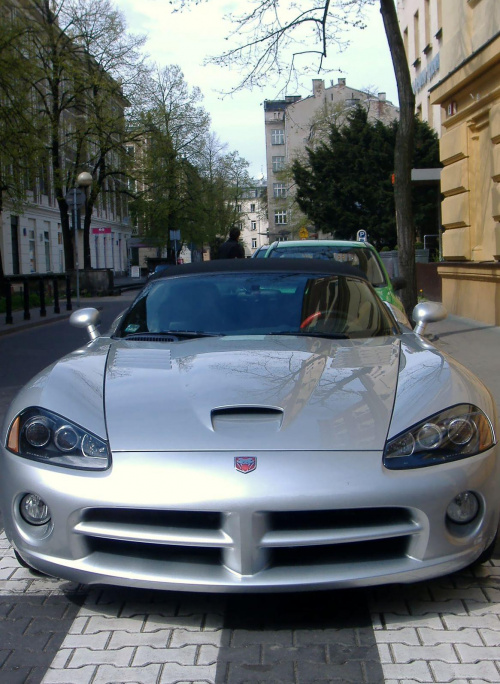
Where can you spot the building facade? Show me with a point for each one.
(421, 24)
(31, 241)
(468, 94)
(294, 123)
(253, 221)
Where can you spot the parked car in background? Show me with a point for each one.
(360, 254)
(160, 268)
(260, 252)
(252, 425)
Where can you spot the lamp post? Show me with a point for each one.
(84, 180)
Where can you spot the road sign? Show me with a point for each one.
(303, 233)
(78, 195)
(361, 236)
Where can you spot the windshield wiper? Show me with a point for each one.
(300, 333)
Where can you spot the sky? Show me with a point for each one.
(187, 38)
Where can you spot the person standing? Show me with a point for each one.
(232, 248)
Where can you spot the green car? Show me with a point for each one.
(360, 254)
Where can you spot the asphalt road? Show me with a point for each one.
(25, 353)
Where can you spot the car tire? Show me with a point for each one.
(29, 567)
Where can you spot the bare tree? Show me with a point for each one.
(276, 41)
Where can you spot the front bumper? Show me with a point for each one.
(300, 520)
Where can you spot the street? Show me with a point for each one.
(52, 631)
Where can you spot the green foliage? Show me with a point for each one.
(21, 126)
(346, 183)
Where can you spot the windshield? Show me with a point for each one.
(260, 303)
(361, 257)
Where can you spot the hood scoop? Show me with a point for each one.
(233, 419)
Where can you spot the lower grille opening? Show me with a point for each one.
(155, 518)
(335, 519)
(155, 552)
(357, 552)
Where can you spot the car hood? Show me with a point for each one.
(255, 393)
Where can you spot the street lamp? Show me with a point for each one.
(84, 180)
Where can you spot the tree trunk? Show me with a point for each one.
(403, 155)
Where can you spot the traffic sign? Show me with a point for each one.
(303, 233)
(76, 196)
(361, 236)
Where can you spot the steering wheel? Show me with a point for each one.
(312, 317)
(335, 316)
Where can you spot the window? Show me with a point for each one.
(280, 218)
(278, 164)
(254, 243)
(252, 208)
(427, 25)
(253, 225)
(32, 250)
(279, 190)
(238, 208)
(416, 36)
(277, 136)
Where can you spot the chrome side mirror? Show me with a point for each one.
(427, 312)
(86, 318)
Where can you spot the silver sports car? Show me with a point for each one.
(252, 425)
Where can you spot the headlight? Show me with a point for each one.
(44, 436)
(456, 433)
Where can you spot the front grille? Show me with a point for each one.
(247, 542)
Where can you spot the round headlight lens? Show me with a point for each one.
(461, 431)
(34, 510)
(66, 438)
(463, 508)
(429, 436)
(37, 432)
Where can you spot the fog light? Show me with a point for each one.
(34, 510)
(463, 508)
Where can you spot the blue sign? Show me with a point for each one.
(361, 235)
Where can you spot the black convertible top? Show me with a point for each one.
(262, 265)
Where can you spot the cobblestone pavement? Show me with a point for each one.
(440, 631)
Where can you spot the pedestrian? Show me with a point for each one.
(232, 248)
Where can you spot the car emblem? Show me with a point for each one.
(245, 464)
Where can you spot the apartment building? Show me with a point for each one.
(294, 123)
(253, 221)
(31, 240)
(421, 24)
(466, 91)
